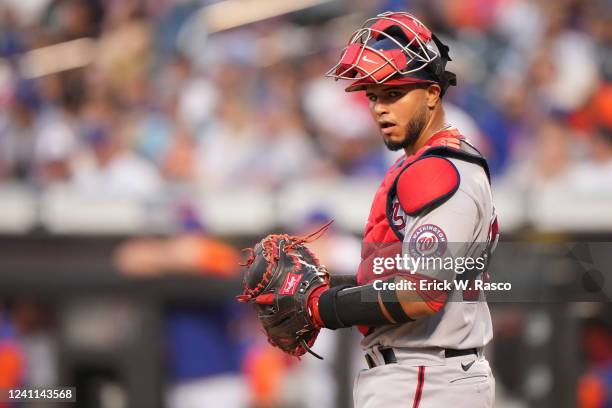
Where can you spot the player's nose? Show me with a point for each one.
(379, 108)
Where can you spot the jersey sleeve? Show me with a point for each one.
(438, 243)
(446, 232)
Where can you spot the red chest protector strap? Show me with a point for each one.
(430, 180)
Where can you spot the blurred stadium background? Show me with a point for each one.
(142, 143)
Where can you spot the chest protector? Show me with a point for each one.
(385, 223)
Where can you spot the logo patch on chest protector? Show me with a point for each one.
(398, 216)
(428, 241)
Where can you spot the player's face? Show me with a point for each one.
(400, 113)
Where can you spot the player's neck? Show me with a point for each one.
(435, 124)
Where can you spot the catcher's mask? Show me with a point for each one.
(393, 48)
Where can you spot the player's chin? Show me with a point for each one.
(394, 141)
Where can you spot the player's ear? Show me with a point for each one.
(433, 95)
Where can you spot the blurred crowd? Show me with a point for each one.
(162, 101)
(148, 96)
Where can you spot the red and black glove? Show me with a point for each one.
(281, 278)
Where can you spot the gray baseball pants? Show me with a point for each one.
(425, 379)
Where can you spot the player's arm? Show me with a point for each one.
(443, 225)
(454, 223)
(372, 305)
(453, 212)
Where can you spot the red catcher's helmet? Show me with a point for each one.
(393, 48)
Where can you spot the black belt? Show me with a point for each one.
(388, 355)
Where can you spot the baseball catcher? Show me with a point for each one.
(425, 325)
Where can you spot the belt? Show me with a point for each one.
(388, 355)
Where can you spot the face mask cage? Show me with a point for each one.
(386, 45)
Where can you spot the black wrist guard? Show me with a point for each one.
(345, 306)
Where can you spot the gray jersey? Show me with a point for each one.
(464, 222)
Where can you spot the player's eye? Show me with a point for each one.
(372, 98)
(393, 94)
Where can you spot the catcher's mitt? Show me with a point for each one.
(280, 276)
